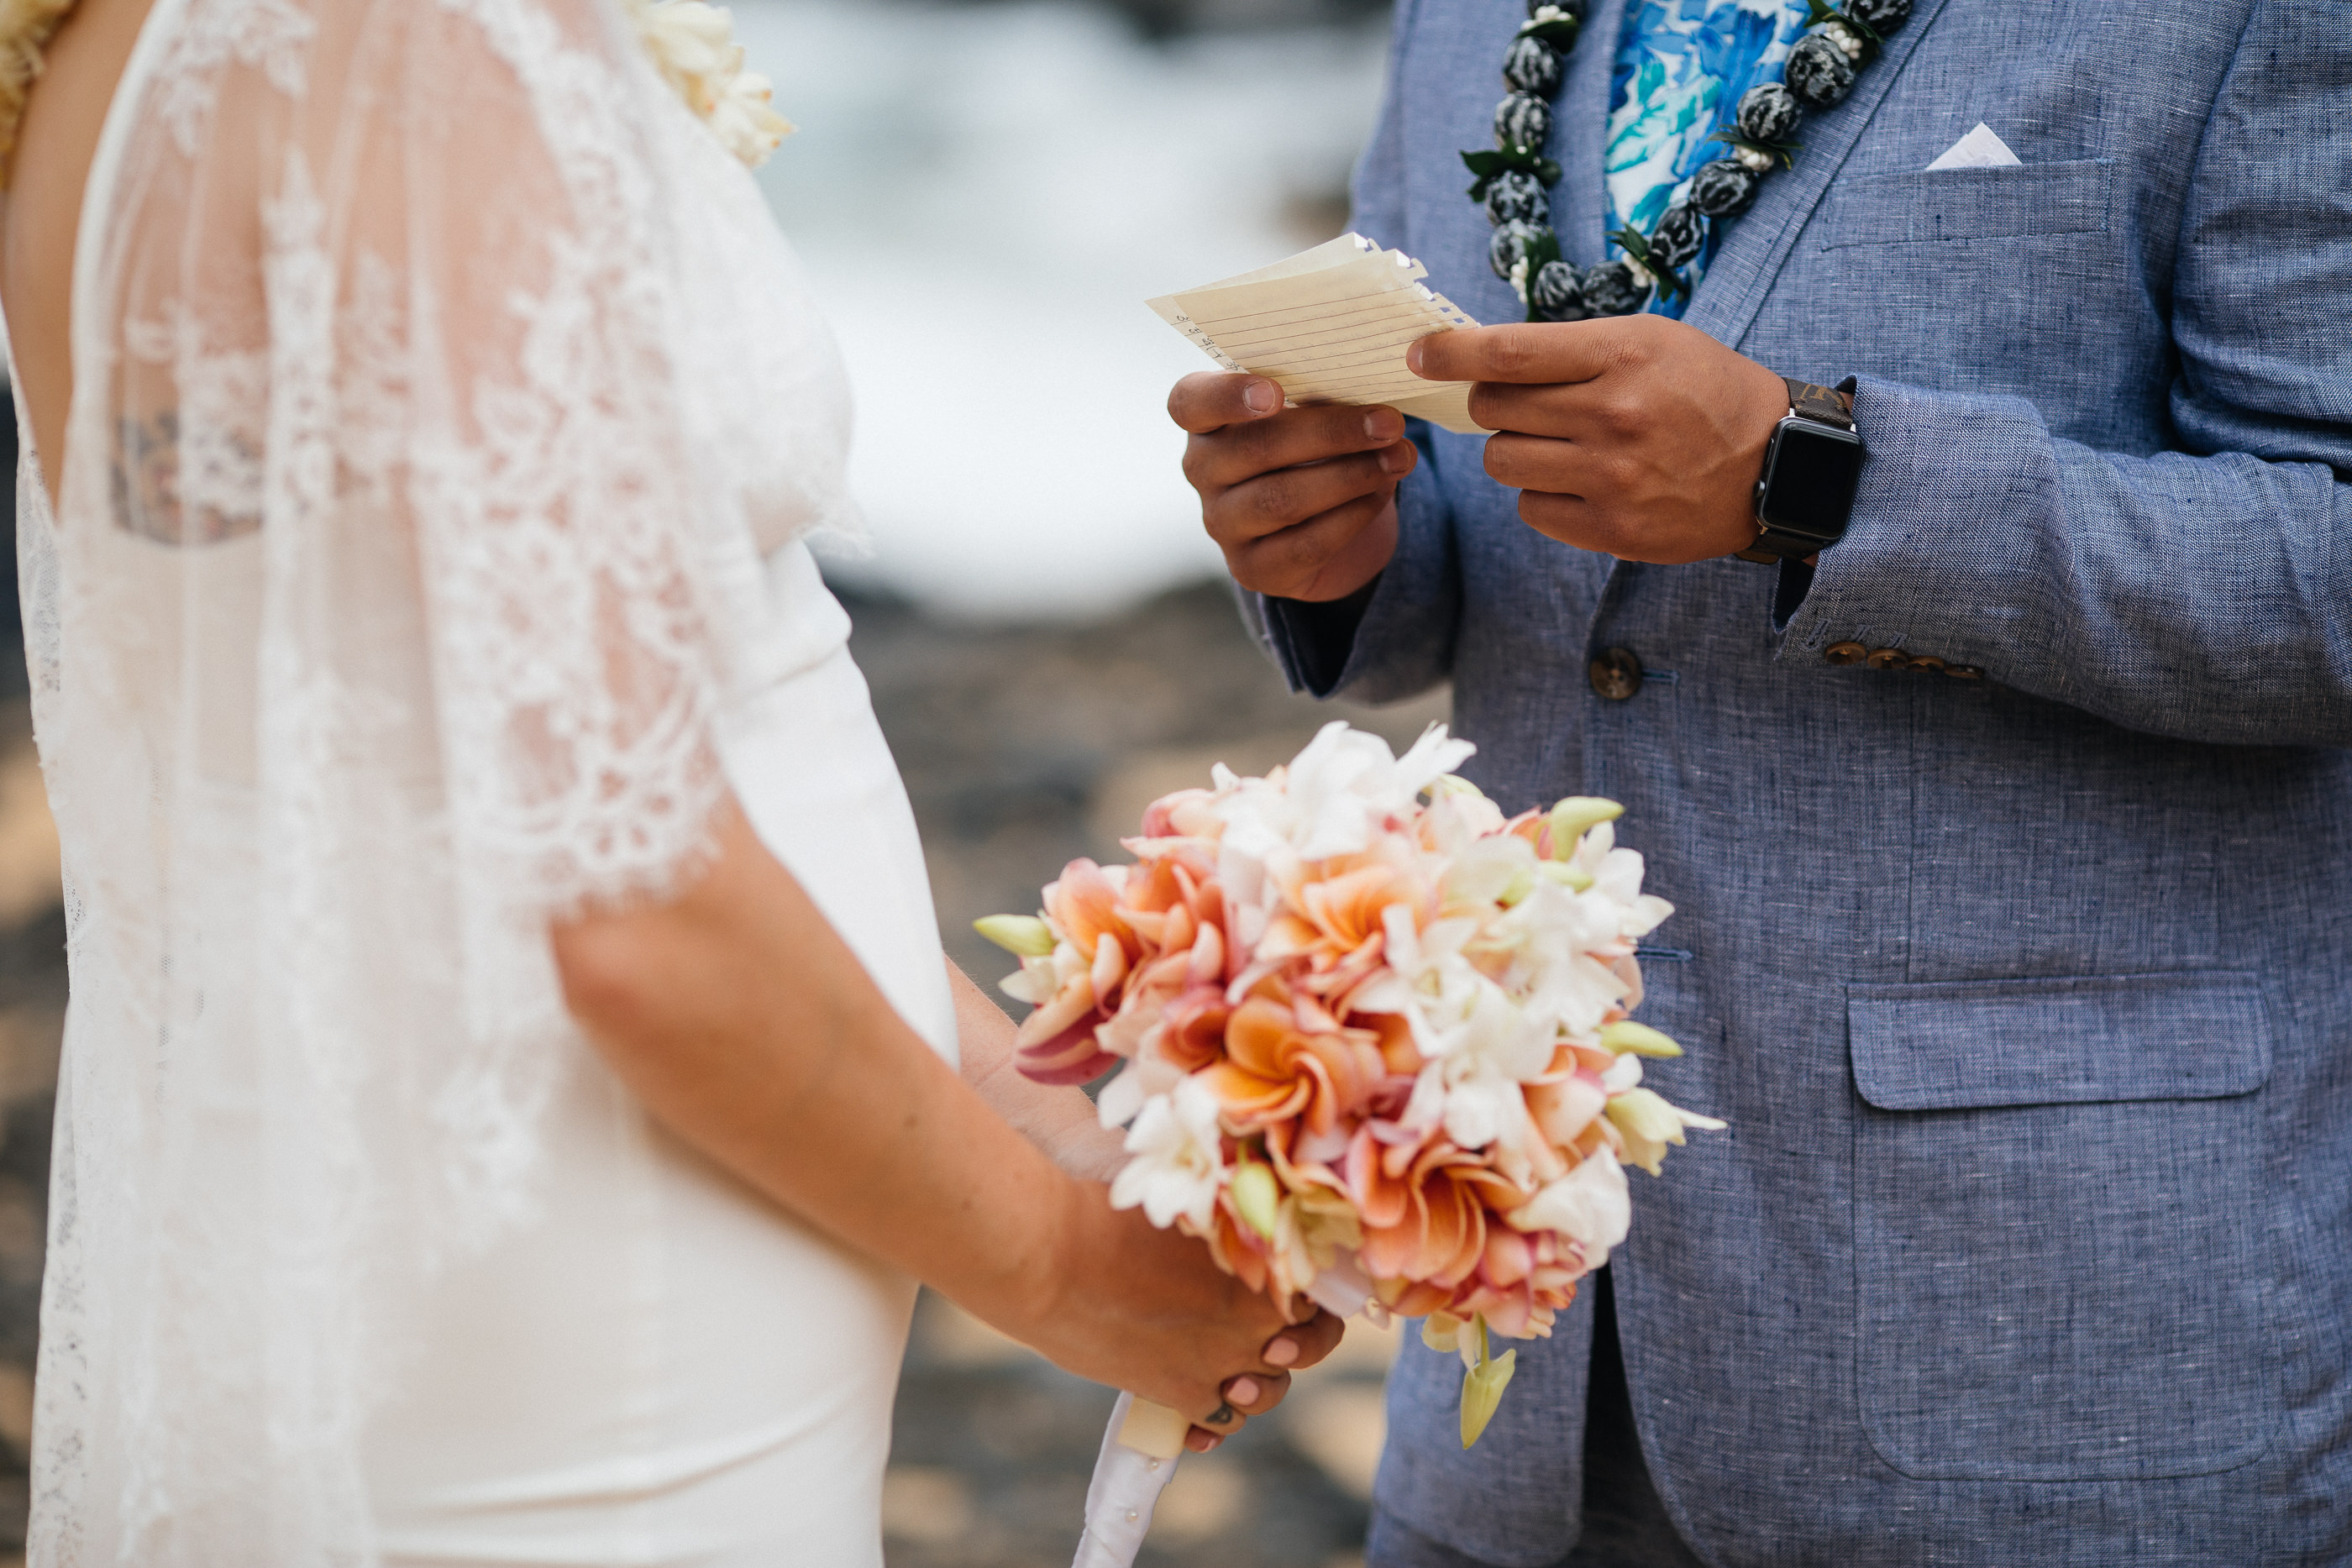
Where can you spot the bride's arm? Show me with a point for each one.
(1060, 1121)
(746, 1024)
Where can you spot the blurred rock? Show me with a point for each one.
(925, 1504)
(1025, 748)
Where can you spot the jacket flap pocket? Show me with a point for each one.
(2196, 1035)
(1925, 206)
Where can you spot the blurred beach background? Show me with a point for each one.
(986, 193)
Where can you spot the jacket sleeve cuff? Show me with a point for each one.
(1935, 541)
(1392, 640)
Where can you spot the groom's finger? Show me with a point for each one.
(1322, 557)
(1240, 514)
(1296, 436)
(1211, 400)
(1542, 352)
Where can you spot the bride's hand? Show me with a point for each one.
(1148, 1311)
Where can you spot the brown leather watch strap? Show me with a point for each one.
(1830, 405)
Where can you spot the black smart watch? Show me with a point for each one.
(1805, 495)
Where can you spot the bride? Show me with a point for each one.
(507, 1097)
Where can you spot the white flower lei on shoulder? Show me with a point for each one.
(693, 45)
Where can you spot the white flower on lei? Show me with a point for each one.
(693, 45)
(1178, 1157)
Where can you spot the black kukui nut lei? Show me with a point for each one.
(1557, 293)
(1676, 241)
(1522, 121)
(1509, 245)
(1724, 188)
(1768, 112)
(1611, 288)
(1818, 74)
(1532, 66)
(1517, 195)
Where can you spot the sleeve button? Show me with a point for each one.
(1964, 671)
(1885, 658)
(1843, 653)
(1924, 665)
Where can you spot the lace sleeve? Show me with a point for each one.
(508, 297)
(452, 386)
(402, 567)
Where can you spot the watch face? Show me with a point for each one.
(1810, 479)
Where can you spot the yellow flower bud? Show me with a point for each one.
(1256, 1197)
(1641, 1114)
(1625, 1035)
(1024, 934)
(1482, 1387)
(1573, 816)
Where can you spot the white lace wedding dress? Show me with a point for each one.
(448, 410)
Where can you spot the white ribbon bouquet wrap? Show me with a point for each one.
(1375, 1049)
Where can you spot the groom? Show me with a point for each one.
(2012, 840)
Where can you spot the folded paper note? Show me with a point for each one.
(1329, 325)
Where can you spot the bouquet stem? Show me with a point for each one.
(1138, 1460)
(1153, 1429)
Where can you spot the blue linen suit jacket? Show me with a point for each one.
(2029, 999)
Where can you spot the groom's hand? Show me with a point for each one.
(1635, 437)
(1301, 500)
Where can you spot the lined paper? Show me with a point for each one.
(1329, 325)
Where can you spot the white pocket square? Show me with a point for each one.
(1979, 149)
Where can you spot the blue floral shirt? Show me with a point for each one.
(1681, 68)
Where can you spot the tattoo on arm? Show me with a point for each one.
(146, 476)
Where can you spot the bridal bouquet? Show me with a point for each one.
(1372, 1037)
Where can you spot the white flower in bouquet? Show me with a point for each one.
(1336, 795)
(1179, 1163)
(1374, 1035)
(1589, 1205)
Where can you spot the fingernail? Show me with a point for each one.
(1413, 357)
(1384, 424)
(1263, 397)
(1200, 1442)
(1396, 459)
(1244, 1391)
(1282, 1351)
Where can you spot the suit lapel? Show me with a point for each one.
(1580, 200)
(1756, 245)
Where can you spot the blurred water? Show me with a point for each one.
(986, 195)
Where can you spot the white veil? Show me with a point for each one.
(434, 393)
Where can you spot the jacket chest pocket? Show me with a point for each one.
(2061, 1248)
(2020, 201)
